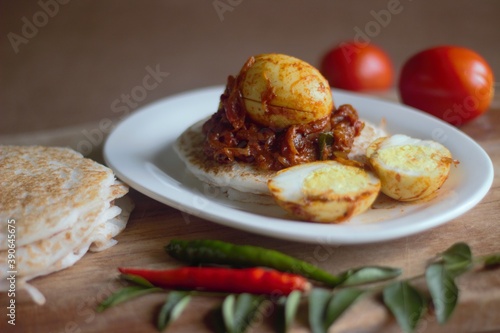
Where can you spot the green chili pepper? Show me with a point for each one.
(324, 140)
(197, 252)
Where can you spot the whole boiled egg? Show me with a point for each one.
(324, 191)
(409, 169)
(279, 91)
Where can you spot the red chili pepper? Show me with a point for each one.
(231, 280)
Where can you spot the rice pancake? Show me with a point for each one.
(98, 239)
(47, 189)
(63, 206)
(242, 181)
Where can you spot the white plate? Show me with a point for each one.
(140, 151)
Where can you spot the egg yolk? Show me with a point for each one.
(410, 158)
(334, 180)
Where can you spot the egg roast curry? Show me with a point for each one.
(272, 114)
(279, 133)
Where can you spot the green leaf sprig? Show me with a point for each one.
(287, 307)
(325, 307)
(440, 277)
(491, 261)
(175, 303)
(125, 294)
(407, 303)
(368, 274)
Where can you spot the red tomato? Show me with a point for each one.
(357, 66)
(449, 82)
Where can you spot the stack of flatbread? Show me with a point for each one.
(63, 205)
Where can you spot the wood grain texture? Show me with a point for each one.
(73, 294)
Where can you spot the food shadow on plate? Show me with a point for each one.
(168, 168)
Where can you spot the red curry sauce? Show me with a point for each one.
(232, 136)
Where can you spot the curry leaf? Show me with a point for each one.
(239, 311)
(491, 260)
(443, 290)
(318, 302)
(340, 302)
(228, 312)
(139, 280)
(324, 140)
(457, 259)
(172, 308)
(287, 309)
(406, 303)
(125, 294)
(369, 274)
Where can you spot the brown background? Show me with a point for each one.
(89, 53)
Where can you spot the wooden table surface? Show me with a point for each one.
(60, 82)
(73, 294)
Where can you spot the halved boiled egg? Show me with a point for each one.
(324, 191)
(409, 169)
